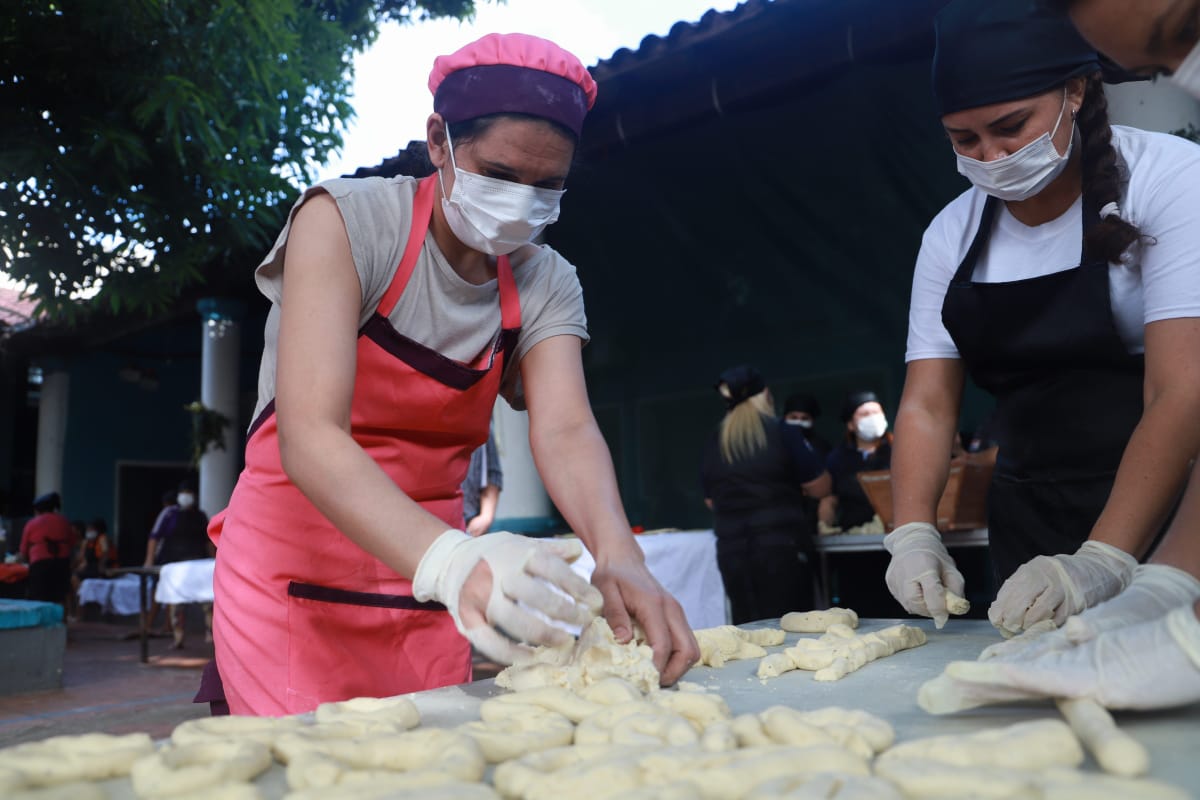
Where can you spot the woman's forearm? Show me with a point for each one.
(1151, 475)
(576, 467)
(920, 465)
(357, 496)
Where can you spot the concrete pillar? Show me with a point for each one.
(524, 505)
(52, 430)
(1154, 106)
(220, 321)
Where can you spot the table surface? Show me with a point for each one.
(887, 688)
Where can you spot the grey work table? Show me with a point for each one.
(886, 688)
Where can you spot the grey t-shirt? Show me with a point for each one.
(438, 308)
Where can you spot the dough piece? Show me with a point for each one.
(701, 709)
(748, 729)
(65, 759)
(548, 698)
(1040, 744)
(731, 774)
(514, 778)
(934, 780)
(640, 723)
(62, 791)
(875, 731)
(264, 730)
(226, 791)
(314, 760)
(852, 654)
(611, 691)
(763, 637)
(817, 621)
(372, 714)
(1116, 752)
(180, 769)
(614, 776)
(718, 737)
(775, 665)
(515, 734)
(825, 786)
(1070, 784)
(384, 788)
(724, 643)
(596, 655)
(957, 604)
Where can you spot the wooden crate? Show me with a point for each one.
(963, 505)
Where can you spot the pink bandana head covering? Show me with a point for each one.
(512, 73)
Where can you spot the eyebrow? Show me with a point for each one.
(498, 166)
(1007, 118)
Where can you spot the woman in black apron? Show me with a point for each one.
(1086, 474)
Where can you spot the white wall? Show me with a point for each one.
(1154, 106)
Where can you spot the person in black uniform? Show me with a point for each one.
(866, 447)
(1066, 283)
(755, 474)
(802, 409)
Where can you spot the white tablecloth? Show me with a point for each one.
(114, 595)
(685, 563)
(186, 582)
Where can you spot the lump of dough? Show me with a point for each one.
(825, 786)
(179, 769)
(382, 714)
(264, 730)
(65, 759)
(724, 643)
(817, 621)
(956, 603)
(515, 734)
(596, 655)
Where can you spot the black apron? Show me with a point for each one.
(1068, 396)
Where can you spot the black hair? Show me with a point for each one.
(468, 129)
(168, 497)
(1103, 178)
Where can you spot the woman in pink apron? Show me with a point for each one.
(342, 570)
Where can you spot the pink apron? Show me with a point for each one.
(303, 615)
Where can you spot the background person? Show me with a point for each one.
(482, 486)
(802, 410)
(47, 544)
(1001, 291)
(865, 446)
(756, 473)
(343, 569)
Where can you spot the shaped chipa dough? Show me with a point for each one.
(775, 664)
(264, 730)
(1070, 784)
(763, 637)
(61, 791)
(179, 769)
(611, 691)
(549, 698)
(514, 735)
(933, 780)
(825, 786)
(1116, 752)
(374, 714)
(956, 604)
(66, 759)
(513, 778)
(599, 779)
(817, 621)
(877, 732)
(384, 788)
(1040, 744)
(720, 775)
(314, 761)
(702, 710)
(640, 723)
(724, 643)
(748, 729)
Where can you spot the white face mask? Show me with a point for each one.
(185, 500)
(871, 428)
(495, 216)
(1187, 77)
(89, 535)
(800, 423)
(1020, 175)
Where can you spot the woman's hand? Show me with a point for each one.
(633, 595)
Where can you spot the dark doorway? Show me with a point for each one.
(140, 487)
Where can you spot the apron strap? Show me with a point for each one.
(422, 211)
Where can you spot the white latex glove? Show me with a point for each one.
(525, 574)
(1153, 664)
(1055, 587)
(921, 570)
(1154, 590)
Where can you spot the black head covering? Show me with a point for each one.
(854, 400)
(744, 381)
(50, 501)
(804, 403)
(995, 51)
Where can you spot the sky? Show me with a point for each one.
(391, 97)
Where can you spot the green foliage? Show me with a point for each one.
(145, 141)
(208, 430)
(1191, 133)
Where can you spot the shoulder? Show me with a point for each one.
(541, 264)
(1155, 159)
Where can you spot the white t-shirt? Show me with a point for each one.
(439, 309)
(1158, 279)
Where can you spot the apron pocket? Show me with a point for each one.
(344, 644)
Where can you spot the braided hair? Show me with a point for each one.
(1103, 178)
